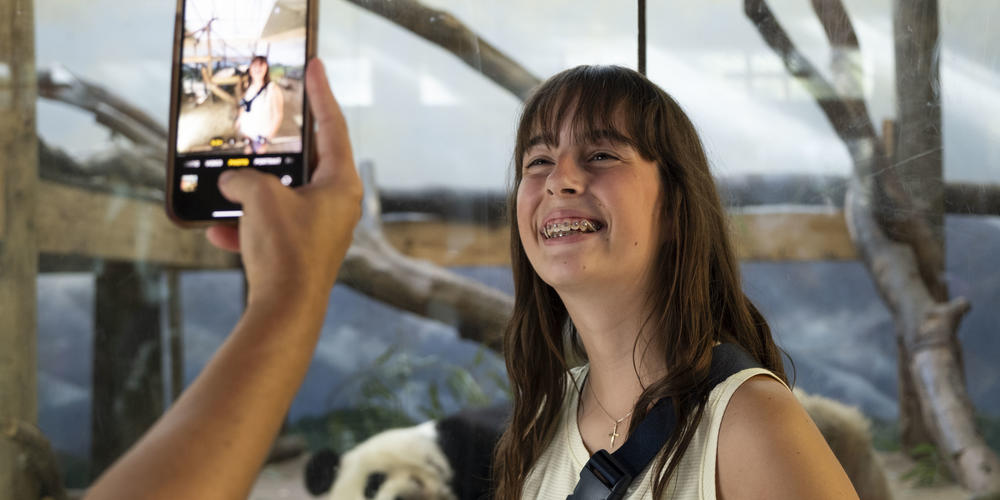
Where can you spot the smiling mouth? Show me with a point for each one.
(566, 228)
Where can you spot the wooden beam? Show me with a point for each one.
(18, 248)
(792, 234)
(451, 244)
(77, 225)
(79, 222)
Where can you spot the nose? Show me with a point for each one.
(566, 178)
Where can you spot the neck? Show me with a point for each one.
(622, 364)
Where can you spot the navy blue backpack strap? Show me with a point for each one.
(607, 476)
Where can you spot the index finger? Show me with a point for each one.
(333, 143)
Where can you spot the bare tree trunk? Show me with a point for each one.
(917, 153)
(928, 329)
(127, 371)
(876, 206)
(913, 430)
(18, 241)
(917, 160)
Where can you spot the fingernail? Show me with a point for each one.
(225, 177)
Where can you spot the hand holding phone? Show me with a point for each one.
(293, 240)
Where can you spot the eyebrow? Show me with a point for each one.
(610, 135)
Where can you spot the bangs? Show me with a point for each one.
(596, 102)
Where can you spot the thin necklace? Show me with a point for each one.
(614, 431)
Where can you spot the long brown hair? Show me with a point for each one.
(696, 296)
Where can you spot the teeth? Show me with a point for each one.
(560, 229)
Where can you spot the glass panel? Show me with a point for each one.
(437, 133)
(130, 307)
(764, 97)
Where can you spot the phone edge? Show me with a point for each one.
(172, 124)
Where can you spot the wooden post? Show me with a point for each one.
(127, 370)
(175, 326)
(18, 244)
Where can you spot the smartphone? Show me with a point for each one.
(237, 100)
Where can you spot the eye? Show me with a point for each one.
(535, 162)
(602, 156)
(373, 484)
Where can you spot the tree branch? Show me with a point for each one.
(849, 119)
(836, 23)
(479, 312)
(110, 110)
(375, 268)
(896, 211)
(446, 31)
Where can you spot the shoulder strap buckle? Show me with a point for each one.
(603, 478)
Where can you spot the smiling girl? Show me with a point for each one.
(620, 251)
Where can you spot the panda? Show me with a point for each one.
(446, 459)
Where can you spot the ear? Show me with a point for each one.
(321, 470)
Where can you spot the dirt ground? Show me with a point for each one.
(283, 481)
(897, 464)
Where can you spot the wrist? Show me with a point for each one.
(296, 304)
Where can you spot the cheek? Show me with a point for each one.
(643, 220)
(525, 205)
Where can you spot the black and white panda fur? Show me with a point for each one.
(447, 459)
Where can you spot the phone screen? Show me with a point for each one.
(238, 99)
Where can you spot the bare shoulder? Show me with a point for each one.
(770, 448)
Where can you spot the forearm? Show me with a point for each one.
(212, 442)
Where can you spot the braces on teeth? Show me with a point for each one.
(561, 229)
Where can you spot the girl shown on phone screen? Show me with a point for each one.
(261, 108)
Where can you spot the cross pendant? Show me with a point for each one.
(613, 435)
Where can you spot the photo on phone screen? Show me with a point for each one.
(238, 99)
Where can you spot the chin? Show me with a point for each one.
(570, 276)
(447, 459)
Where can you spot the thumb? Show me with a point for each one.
(239, 185)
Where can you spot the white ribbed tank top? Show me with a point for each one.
(556, 473)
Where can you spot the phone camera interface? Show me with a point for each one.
(240, 101)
